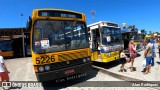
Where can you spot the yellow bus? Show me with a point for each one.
(105, 41)
(6, 47)
(59, 43)
(147, 37)
(135, 35)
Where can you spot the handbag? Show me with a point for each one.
(134, 55)
(128, 59)
(144, 63)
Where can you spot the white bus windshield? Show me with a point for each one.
(110, 35)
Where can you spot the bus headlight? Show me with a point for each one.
(84, 60)
(47, 67)
(41, 68)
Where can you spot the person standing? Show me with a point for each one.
(3, 69)
(148, 56)
(153, 52)
(122, 60)
(108, 38)
(132, 51)
(126, 42)
(159, 48)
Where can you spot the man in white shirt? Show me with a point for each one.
(108, 38)
(3, 69)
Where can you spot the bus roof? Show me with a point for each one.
(108, 22)
(98, 23)
(128, 31)
(148, 36)
(56, 10)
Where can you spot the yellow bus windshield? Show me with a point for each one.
(135, 36)
(53, 36)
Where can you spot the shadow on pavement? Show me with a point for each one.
(138, 55)
(110, 65)
(144, 70)
(107, 65)
(158, 63)
(65, 82)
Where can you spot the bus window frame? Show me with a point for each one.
(87, 40)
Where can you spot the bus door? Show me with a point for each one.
(125, 37)
(95, 40)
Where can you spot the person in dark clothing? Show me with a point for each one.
(159, 48)
(126, 42)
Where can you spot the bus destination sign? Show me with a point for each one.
(112, 24)
(64, 14)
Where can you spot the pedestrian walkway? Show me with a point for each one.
(21, 69)
(138, 74)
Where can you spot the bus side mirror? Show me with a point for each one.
(29, 24)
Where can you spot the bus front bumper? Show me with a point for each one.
(64, 72)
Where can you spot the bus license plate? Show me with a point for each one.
(69, 71)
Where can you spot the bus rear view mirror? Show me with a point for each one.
(29, 24)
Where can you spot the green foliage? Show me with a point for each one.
(144, 33)
(158, 33)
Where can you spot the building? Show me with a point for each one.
(19, 44)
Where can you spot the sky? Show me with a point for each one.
(145, 14)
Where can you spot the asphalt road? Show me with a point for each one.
(21, 69)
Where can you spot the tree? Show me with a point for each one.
(158, 33)
(144, 33)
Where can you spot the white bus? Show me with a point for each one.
(105, 41)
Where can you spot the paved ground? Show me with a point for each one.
(138, 74)
(21, 69)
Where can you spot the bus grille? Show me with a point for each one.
(73, 58)
(64, 64)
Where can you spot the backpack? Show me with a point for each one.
(158, 46)
(153, 51)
